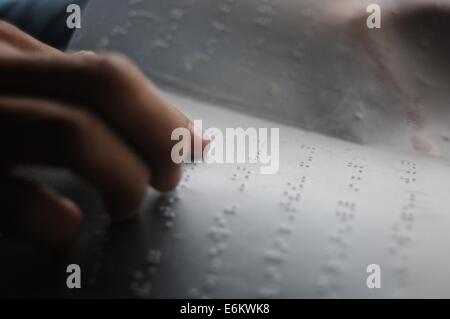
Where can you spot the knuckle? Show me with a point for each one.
(105, 69)
(104, 76)
(107, 77)
(113, 61)
(101, 75)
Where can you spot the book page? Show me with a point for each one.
(352, 189)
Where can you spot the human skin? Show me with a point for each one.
(409, 29)
(98, 116)
(95, 114)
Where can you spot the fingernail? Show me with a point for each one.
(85, 52)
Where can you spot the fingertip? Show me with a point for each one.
(67, 228)
(166, 180)
(74, 212)
(123, 209)
(119, 212)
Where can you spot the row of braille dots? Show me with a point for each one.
(328, 282)
(346, 211)
(136, 15)
(409, 175)
(402, 238)
(356, 177)
(100, 240)
(292, 194)
(164, 41)
(310, 152)
(264, 16)
(274, 259)
(294, 72)
(345, 215)
(265, 13)
(242, 175)
(219, 234)
(122, 30)
(188, 170)
(248, 60)
(219, 28)
(168, 210)
(141, 284)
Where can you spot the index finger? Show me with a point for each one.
(116, 90)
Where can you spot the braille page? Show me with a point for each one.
(347, 195)
(311, 230)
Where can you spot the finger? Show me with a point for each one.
(116, 90)
(21, 41)
(32, 212)
(48, 133)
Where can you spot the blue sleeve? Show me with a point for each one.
(43, 19)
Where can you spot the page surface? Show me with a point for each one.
(311, 230)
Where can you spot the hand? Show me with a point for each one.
(96, 115)
(410, 51)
